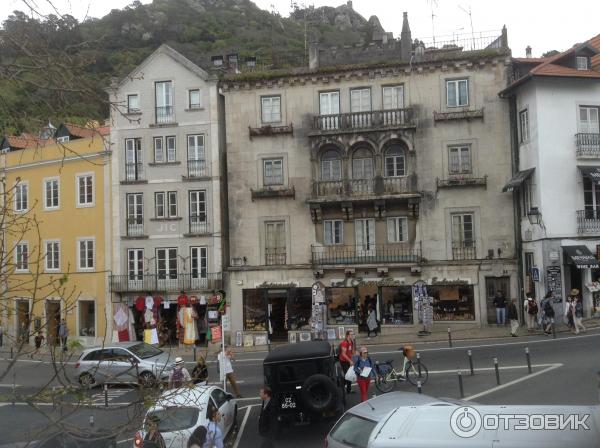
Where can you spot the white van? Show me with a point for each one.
(410, 420)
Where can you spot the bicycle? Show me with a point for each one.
(386, 375)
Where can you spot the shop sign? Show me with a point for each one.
(226, 322)
(360, 282)
(446, 282)
(554, 282)
(216, 333)
(290, 284)
(318, 293)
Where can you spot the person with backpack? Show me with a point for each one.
(578, 315)
(346, 353)
(531, 311)
(500, 304)
(179, 375)
(364, 367)
(548, 311)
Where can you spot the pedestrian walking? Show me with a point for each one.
(569, 310)
(198, 438)
(548, 312)
(153, 436)
(266, 419)
(38, 341)
(500, 304)
(200, 372)
(372, 326)
(531, 312)
(513, 316)
(346, 353)
(63, 334)
(179, 376)
(214, 435)
(578, 315)
(226, 369)
(364, 368)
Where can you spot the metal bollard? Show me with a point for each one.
(195, 353)
(528, 359)
(419, 364)
(11, 353)
(449, 338)
(105, 395)
(92, 421)
(460, 384)
(53, 397)
(419, 387)
(470, 354)
(497, 371)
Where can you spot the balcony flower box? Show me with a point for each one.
(268, 130)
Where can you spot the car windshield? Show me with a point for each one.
(175, 419)
(353, 430)
(144, 351)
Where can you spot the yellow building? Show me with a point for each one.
(56, 247)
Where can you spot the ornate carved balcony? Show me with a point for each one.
(374, 120)
(199, 281)
(337, 255)
(587, 145)
(364, 189)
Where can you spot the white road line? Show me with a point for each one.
(10, 385)
(243, 425)
(512, 383)
(247, 399)
(124, 441)
(482, 369)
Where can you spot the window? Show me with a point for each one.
(21, 196)
(164, 102)
(86, 254)
(397, 230)
(63, 139)
(463, 238)
(364, 232)
(171, 149)
(133, 104)
(22, 256)
(194, 99)
(272, 172)
(457, 92)
(52, 255)
(393, 97)
(333, 232)
(459, 160)
(529, 265)
(85, 190)
(526, 196)
(135, 264)
(51, 193)
(588, 120)
(331, 165)
(135, 214)
(271, 109)
(395, 163)
(159, 205)
(524, 126)
(199, 262)
(453, 302)
(329, 104)
(362, 164)
(159, 155)
(87, 318)
(172, 202)
(197, 212)
(360, 100)
(582, 63)
(196, 160)
(133, 159)
(166, 263)
(275, 247)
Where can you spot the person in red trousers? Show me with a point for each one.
(365, 371)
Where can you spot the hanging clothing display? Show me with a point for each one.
(150, 336)
(149, 302)
(121, 319)
(140, 304)
(189, 326)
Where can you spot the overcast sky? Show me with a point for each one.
(542, 24)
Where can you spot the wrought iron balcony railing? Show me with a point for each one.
(198, 281)
(165, 115)
(365, 254)
(323, 189)
(134, 172)
(197, 168)
(588, 221)
(587, 145)
(198, 224)
(275, 256)
(464, 250)
(135, 226)
(372, 119)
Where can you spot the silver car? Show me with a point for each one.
(132, 362)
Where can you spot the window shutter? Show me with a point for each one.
(371, 228)
(359, 232)
(327, 227)
(391, 231)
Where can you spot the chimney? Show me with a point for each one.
(528, 52)
(349, 4)
(313, 56)
(405, 40)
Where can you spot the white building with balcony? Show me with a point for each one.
(555, 104)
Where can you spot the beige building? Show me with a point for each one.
(382, 170)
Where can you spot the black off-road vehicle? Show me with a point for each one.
(307, 382)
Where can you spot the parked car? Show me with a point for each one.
(307, 381)
(68, 440)
(181, 411)
(412, 420)
(132, 362)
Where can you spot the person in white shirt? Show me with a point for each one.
(226, 369)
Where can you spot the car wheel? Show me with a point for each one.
(147, 379)
(86, 380)
(319, 393)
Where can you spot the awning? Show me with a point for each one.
(592, 172)
(518, 179)
(581, 257)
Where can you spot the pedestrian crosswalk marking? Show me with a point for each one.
(112, 394)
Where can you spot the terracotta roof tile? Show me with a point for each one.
(86, 131)
(561, 70)
(26, 142)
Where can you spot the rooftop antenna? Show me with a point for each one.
(471, 19)
(433, 3)
(295, 6)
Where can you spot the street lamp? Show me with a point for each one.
(534, 216)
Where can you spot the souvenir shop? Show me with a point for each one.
(167, 320)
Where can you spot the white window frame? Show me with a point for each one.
(51, 180)
(393, 161)
(194, 106)
(524, 126)
(172, 204)
(589, 125)
(22, 196)
(22, 264)
(79, 318)
(461, 218)
(91, 203)
(333, 232)
(359, 97)
(86, 241)
(47, 258)
(395, 99)
(138, 263)
(171, 147)
(454, 84)
(159, 150)
(157, 214)
(397, 229)
(526, 196)
(461, 155)
(201, 258)
(273, 180)
(133, 110)
(167, 261)
(270, 109)
(196, 202)
(582, 62)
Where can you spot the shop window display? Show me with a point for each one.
(453, 302)
(342, 306)
(397, 305)
(255, 310)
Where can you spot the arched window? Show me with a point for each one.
(362, 164)
(331, 165)
(395, 161)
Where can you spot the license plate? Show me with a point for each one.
(288, 402)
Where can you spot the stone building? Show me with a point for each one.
(167, 182)
(370, 171)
